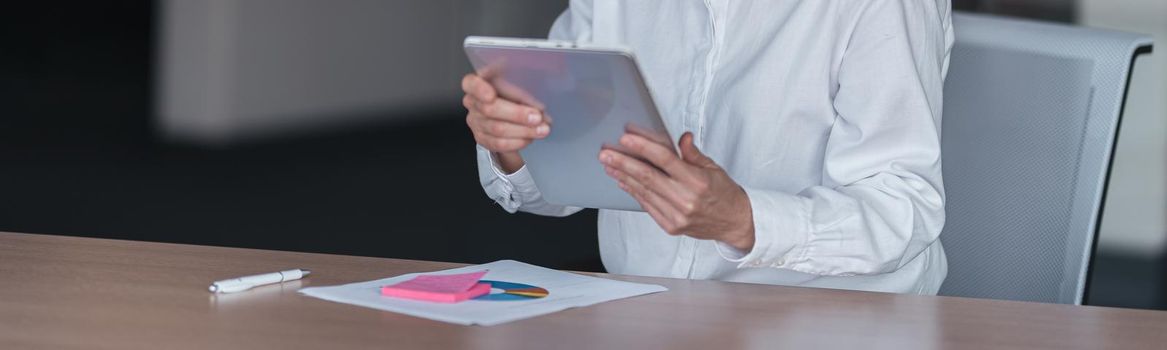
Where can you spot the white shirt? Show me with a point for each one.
(827, 113)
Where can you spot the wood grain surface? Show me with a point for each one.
(68, 292)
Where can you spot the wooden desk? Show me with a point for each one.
(67, 292)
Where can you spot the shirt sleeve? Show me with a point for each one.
(516, 191)
(882, 199)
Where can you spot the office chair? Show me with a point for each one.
(1031, 113)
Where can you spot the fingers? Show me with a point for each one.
(515, 93)
(626, 169)
(659, 155)
(504, 110)
(657, 207)
(648, 207)
(653, 135)
(479, 88)
(498, 124)
(503, 129)
(691, 154)
(481, 96)
(499, 136)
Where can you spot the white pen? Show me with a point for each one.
(247, 282)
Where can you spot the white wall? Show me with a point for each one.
(1135, 217)
(230, 70)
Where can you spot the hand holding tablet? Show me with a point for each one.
(500, 125)
(610, 149)
(592, 95)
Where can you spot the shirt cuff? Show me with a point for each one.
(520, 180)
(781, 228)
(513, 189)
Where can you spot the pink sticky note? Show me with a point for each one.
(439, 288)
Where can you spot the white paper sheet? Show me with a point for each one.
(567, 290)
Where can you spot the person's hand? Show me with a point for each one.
(501, 126)
(688, 194)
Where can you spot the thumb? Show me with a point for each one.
(691, 154)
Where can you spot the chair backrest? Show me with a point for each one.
(1030, 117)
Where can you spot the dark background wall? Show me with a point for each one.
(79, 156)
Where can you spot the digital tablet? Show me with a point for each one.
(592, 94)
